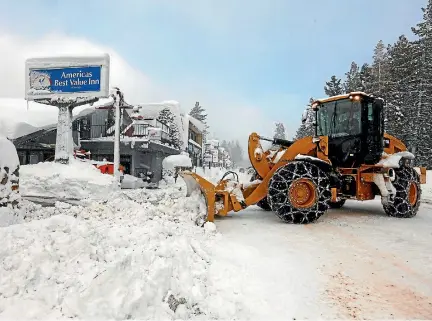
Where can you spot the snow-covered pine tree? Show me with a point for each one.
(399, 98)
(307, 128)
(366, 77)
(379, 71)
(353, 80)
(167, 117)
(279, 131)
(422, 88)
(198, 112)
(333, 87)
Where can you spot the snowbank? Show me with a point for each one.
(131, 257)
(78, 180)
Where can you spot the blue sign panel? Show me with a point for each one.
(65, 80)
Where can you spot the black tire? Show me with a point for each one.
(263, 204)
(283, 181)
(337, 204)
(400, 206)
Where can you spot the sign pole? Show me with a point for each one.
(62, 150)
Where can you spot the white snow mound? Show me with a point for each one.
(131, 257)
(170, 162)
(77, 180)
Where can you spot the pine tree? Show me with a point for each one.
(279, 131)
(422, 88)
(198, 112)
(333, 87)
(167, 117)
(399, 97)
(353, 80)
(379, 71)
(307, 128)
(366, 78)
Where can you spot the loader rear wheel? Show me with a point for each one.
(406, 202)
(337, 204)
(263, 204)
(299, 192)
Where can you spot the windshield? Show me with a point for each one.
(339, 118)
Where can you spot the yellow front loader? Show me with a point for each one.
(349, 157)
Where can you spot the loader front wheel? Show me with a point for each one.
(299, 192)
(406, 202)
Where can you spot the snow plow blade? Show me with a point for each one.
(226, 196)
(194, 182)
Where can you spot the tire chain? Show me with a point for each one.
(400, 206)
(279, 186)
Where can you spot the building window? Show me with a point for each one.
(192, 135)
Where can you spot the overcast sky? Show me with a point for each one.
(249, 62)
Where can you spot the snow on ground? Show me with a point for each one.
(78, 180)
(135, 253)
(116, 259)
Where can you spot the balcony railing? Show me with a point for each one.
(132, 130)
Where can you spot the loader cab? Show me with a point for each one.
(353, 124)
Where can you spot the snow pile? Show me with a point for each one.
(118, 259)
(172, 161)
(9, 163)
(169, 164)
(132, 182)
(77, 180)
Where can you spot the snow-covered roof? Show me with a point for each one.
(152, 110)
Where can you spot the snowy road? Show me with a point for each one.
(354, 263)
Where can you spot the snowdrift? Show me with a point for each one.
(77, 180)
(132, 257)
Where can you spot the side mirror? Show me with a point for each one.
(304, 116)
